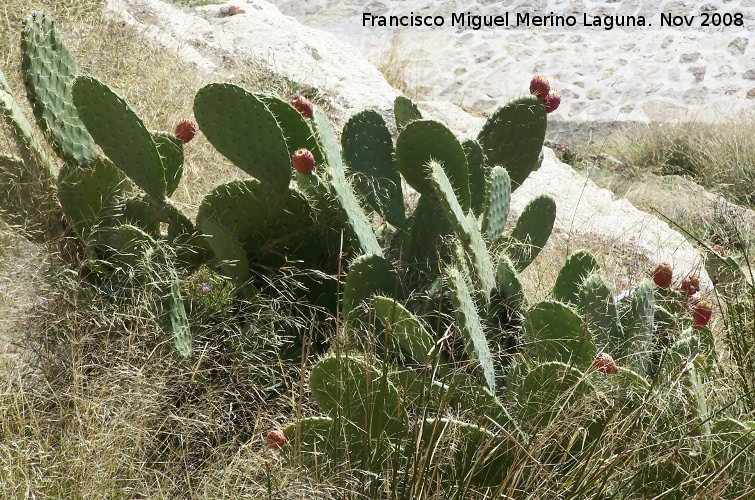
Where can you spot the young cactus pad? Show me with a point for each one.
(555, 332)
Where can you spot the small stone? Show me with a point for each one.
(689, 58)
(738, 45)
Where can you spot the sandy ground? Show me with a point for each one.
(650, 73)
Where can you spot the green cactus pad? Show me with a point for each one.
(325, 135)
(405, 328)
(423, 141)
(477, 174)
(262, 221)
(48, 73)
(475, 399)
(120, 133)
(597, 305)
(483, 265)
(637, 325)
(341, 190)
(479, 457)
(426, 240)
(513, 137)
(405, 111)
(553, 331)
(227, 249)
(550, 389)
(129, 245)
(694, 383)
(368, 275)
(532, 230)
(349, 388)
(722, 270)
(179, 323)
(445, 194)
(470, 326)
(313, 434)
(508, 285)
(497, 199)
(355, 215)
(39, 167)
(242, 128)
(172, 153)
(578, 267)
(294, 126)
(90, 194)
(368, 150)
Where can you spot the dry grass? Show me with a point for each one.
(406, 69)
(720, 157)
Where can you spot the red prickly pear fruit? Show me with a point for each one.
(690, 286)
(303, 161)
(185, 130)
(303, 106)
(663, 275)
(719, 249)
(701, 313)
(552, 101)
(540, 86)
(605, 364)
(275, 440)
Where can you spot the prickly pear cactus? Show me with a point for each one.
(513, 137)
(242, 128)
(405, 111)
(368, 151)
(49, 72)
(121, 134)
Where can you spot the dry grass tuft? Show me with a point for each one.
(720, 157)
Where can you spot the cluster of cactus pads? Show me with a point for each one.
(588, 358)
(512, 368)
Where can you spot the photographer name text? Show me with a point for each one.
(468, 20)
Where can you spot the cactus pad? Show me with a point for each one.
(477, 174)
(598, 307)
(120, 133)
(48, 72)
(368, 150)
(405, 328)
(262, 221)
(497, 200)
(405, 111)
(470, 326)
(349, 388)
(423, 141)
(228, 250)
(513, 137)
(368, 275)
(553, 331)
(172, 154)
(242, 128)
(90, 194)
(532, 230)
(578, 267)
